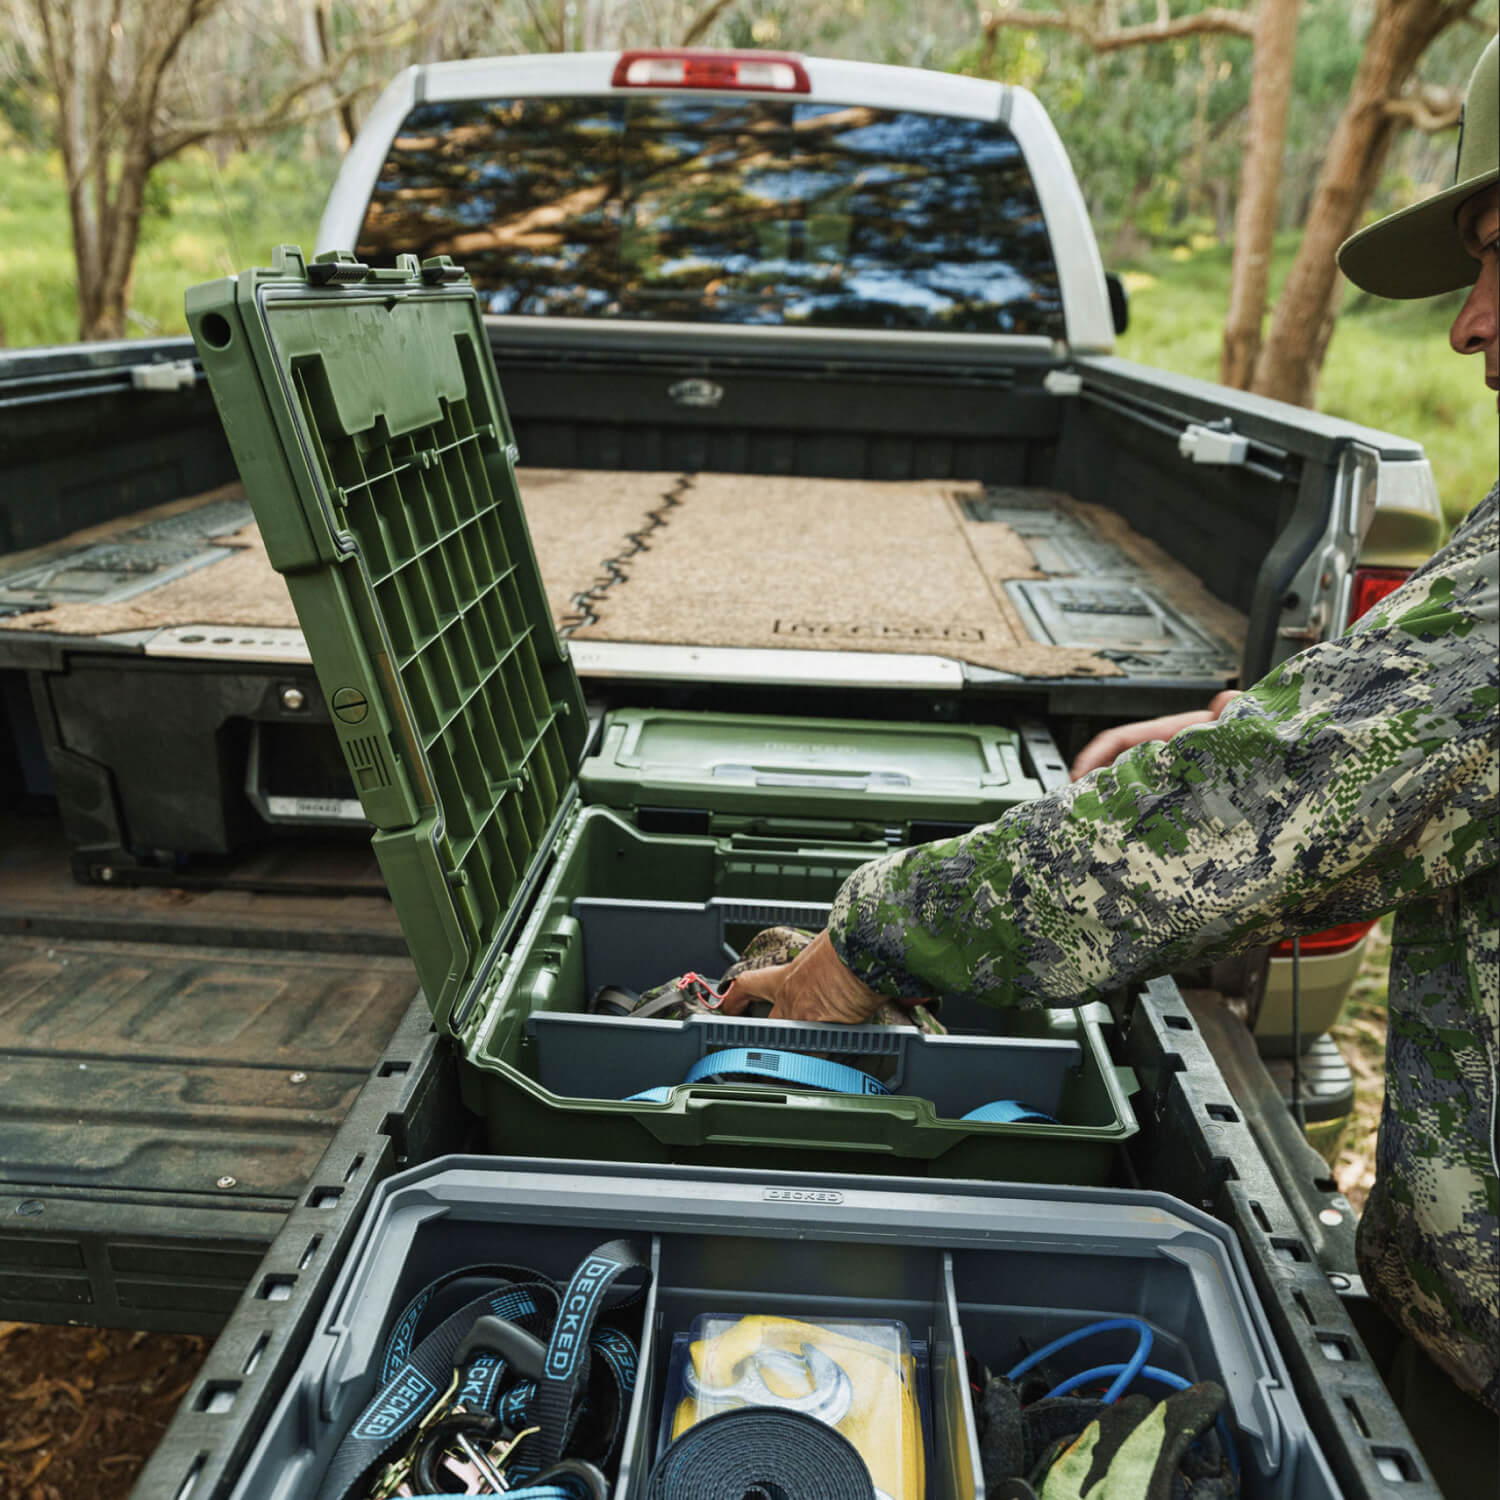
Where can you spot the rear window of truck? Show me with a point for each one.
(723, 211)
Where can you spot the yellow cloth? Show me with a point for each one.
(883, 1422)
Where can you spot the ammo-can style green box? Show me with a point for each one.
(534, 855)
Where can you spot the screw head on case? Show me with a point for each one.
(293, 699)
(350, 705)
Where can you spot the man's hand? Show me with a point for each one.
(815, 986)
(1104, 749)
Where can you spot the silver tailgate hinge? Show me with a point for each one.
(1062, 382)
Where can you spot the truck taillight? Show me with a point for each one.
(1338, 939)
(773, 71)
(1371, 585)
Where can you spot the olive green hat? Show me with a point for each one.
(1418, 252)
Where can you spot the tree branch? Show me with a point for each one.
(273, 117)
(276, 115)
(1431, 110)
(322, 22)
(704, 20)
(1103, 39)
(540, 22)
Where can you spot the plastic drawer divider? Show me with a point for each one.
(955, 1428)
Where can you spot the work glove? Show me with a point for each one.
(1137, 1449)
(1020, 1432)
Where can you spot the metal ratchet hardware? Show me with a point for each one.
(829, 1398)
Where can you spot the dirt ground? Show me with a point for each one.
(81, 1408)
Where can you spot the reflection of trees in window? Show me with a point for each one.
(724, 210)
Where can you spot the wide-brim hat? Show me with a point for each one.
(1418, 252)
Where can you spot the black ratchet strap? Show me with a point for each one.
(759, 1450)
(610, 1277)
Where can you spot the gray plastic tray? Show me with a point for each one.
(957, 1261)
(592, 1057)
(589, 1057)
(624, 940)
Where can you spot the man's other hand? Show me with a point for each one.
(815, 986)
(1104, 749)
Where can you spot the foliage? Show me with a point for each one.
(1390, 366)
(204, 221)
(1155, 133)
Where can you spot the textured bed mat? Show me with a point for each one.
(1027, 581)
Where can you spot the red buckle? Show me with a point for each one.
(703, 990)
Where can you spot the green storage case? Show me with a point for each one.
(363, 411)
(863, 779)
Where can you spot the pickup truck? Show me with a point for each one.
(809, 368)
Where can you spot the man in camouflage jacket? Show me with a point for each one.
(1358, 778)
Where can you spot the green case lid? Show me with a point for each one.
(364, 414)
(867, 770)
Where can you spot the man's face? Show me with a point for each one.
(1476, 329)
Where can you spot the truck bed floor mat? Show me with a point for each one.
(1025, 581)
(915, 566)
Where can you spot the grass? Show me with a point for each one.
(201, 221)
(1389, 365)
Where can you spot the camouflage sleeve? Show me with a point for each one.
(1359, 773)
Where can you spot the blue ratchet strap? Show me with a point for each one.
(530, 1492)
(818, 1073)
(1008, 1112)
(783, 1067)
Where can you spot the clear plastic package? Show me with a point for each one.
(860, 1376)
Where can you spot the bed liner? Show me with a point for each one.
(1024, 581)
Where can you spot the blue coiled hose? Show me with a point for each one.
(1124, 1373)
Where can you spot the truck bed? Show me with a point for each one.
(1024, 581)
(183, 1055)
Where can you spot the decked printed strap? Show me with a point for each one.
(515, 1304)
(412, 1381)
(417, 1364)
(609, 1277)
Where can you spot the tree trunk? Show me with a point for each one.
(337, 136)
(1291, 359)
(104, 315)
(1223, 217)
(1193, 175)
(1260, 187)
(1128, 242)
(320, 139)
(73, 36)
